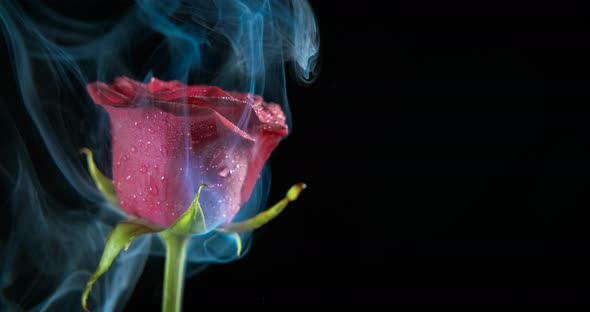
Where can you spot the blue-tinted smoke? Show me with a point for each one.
(52, 249)
(50, 246)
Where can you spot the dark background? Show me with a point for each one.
(445, 147)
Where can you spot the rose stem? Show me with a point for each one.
(174, 271)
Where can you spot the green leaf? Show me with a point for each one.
(121, 236)
(104, 184)
(265, 216)
(192, 220)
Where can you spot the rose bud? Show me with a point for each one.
(168, 138)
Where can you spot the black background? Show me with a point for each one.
(445, 147)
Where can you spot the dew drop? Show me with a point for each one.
(127, 178)
(150, 130)
(118, 163)
(162, 178)
(224, 172)
(134, 149)
(142, 169)
(153, 187)
(134, 196)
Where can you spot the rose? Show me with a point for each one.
(168, 138)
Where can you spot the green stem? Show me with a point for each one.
(174, 271)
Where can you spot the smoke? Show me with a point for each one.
(53, 218)
(52, 249)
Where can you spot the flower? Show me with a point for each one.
(168, 138)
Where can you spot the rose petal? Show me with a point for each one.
(102, 93)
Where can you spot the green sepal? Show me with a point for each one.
(192, 221)
(265, 216)
(103, 183)
(238, 243)
(121, 236)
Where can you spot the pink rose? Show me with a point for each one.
(168, 138)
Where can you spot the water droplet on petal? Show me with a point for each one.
(118, 163)
(153, 187)
(224, 172)
(134, 149)
(142, 169)
(127, 178)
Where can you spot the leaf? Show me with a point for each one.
(192, 220)
(104, 184)
(265, 216)
(121, 236)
